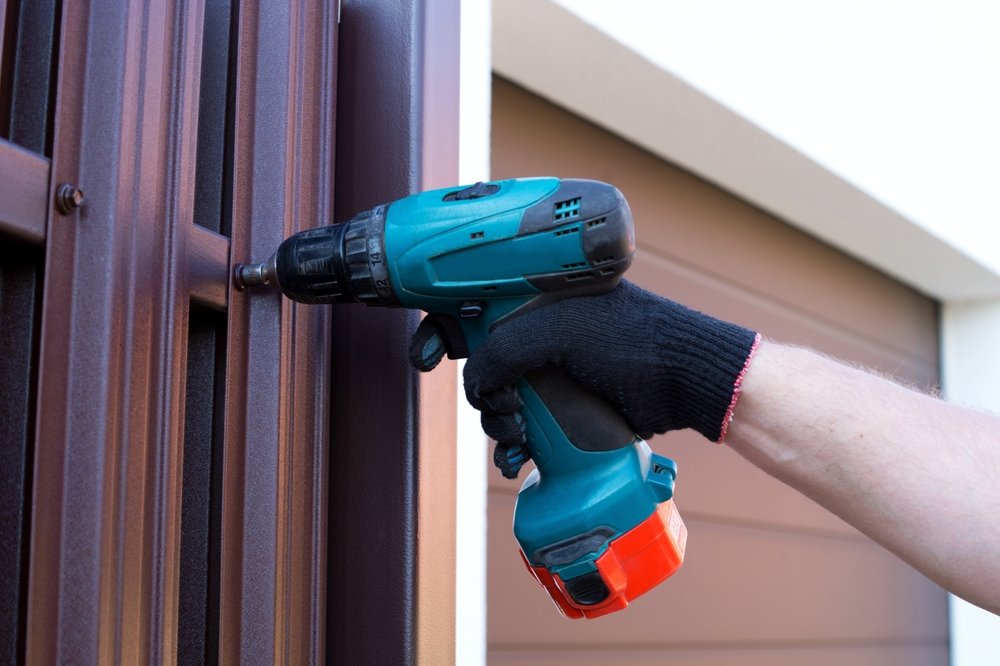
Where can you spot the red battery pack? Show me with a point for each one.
(634, 563)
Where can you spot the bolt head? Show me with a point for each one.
(69, 198)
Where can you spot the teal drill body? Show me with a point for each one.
(472, 257)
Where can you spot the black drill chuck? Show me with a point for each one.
(339, 263)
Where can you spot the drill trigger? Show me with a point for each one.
(452, 335)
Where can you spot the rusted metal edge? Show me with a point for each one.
(24, 204)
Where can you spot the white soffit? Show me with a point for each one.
(557, 55)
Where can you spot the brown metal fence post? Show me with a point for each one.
(115, 303)
(273, 582)
(179, 474)
(392, 458)
(121, 273)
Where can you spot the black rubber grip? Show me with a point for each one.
(590, 423)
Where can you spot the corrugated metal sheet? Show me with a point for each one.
(121, 276)
(178, 482)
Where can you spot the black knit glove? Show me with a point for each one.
(661, 365)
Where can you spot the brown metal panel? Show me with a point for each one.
(272, 605)
(33, 69)
(113, 345)
(392, 454)
(3, 35)
(6, 66)
(23, 206)
(20, 292)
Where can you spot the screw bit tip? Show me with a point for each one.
(251, 275)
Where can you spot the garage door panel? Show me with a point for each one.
(738, 584)
(768, 572)
(737, 243)
(862, 655)
(779, 321)
(686, 219)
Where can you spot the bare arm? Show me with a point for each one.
(916, 474)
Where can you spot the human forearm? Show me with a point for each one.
(912, 472)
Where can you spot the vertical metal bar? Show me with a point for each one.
(8, 12)
(213, 115)
(32, 85)
(198, 610)
(392, 456)
(306, 474)
(104, 559)
(20, 277)
(107, 505)
(3, 22)
(272, 597)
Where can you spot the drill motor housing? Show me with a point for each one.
(594, 520)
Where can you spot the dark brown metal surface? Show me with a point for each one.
(32, 73)
(20, 290)
(23, 205)
(123, 271)
(145, 355)
(6, 67)
(392, 451)
(113, 348)
(274, 508)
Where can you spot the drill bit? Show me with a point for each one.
(255, 275)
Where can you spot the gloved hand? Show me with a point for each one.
(661, 365)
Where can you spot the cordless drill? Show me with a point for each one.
(594, 520)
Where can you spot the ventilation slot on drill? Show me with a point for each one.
(567, 209)
(564, 232)
(582, 275)
(579, 264)
(596, 223)
(604, 260)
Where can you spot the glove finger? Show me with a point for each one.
(427, 346)
(509, 352)
(509, 458)
(509, 428)
(504, 401)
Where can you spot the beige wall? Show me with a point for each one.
(770, 578)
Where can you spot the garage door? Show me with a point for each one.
(770, 577)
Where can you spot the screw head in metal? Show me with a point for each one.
(69, 198)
